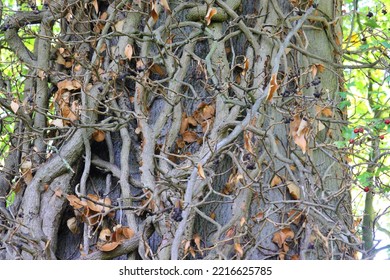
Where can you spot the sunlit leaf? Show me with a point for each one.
(10, 198)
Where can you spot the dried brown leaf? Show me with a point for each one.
(210, 13)
(276, 180)
(192, 252)
(301, 142)
(327, 112)
(72, 225)
(231, 232)
(98, 135)
(258, 217)
(119, 25)
(295, 216)
(187, 246)
(294, 190)
(184, 123)
(238, 249)
(281, 236)
(273, 87)
(192, 121)
(246, 66)
(153, 11)
(129, 51)
(42, 74)
(105, 235)
(75, 202)
(189, 136)
(14, 105)
(295, 257)
(248, 145)
(58, 192)
(201, 171)
(68, 84)
(242, 221)
(197, 240)
(313, 70)
(303, 126)
(96, 6)
(108, 246)
(165, 4)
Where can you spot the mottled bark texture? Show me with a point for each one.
(160, 131)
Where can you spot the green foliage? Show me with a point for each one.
(366, 99)
(10, 199)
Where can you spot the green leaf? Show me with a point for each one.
(340, 144)
(371, 23)
(365, 179)
(385, 44)
(343, 104)
(10, 199)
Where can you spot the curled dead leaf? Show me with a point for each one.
(303, 126)
(210, 13)
(96, 6)
(105, 235)
(201, 171)
(129, 51)
(165, 4)
(248, 145)
(197, 240)
(238, 249)
(75, 202)
(122, 233)
(276, 180)
(72, 225)
(281, 236)
(294, 190)
(295, 257)
(153, 10)
(98, 135)
(295, 216)
(68, 84)
(57, 122)
(273, 87)
(108, 246)
(187, 246)
(190, 136)
(14, 105)
(301, 142)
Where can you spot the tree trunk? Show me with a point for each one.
(173, 133)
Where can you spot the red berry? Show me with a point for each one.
(361, 130)
(381, 137)
(356, 130)
(351, 141)
(387, 121)
(366, 189)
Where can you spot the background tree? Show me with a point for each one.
(175, 130)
